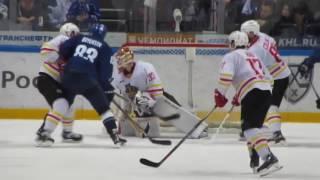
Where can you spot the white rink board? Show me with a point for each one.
(172, 70)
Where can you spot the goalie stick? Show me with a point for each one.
(140, 129)
(157, 164)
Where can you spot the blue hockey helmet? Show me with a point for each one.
(98, 30)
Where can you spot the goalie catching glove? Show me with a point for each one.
(144, 103)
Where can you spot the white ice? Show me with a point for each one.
(224, 158)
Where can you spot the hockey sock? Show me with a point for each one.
(256, 139)
(67, 122)
(56, 114)
(273, 118)
(109, 121)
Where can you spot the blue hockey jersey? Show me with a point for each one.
(88, 55)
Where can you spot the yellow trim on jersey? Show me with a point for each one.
(280, 71)
(226, 76)
(156, 85)
(227, 84)
(248, 86)
(52, 71)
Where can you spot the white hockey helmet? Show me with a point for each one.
(238, 39)
(124, 57)
(250, 26)
(69, 29)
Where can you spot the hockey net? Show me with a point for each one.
(188, 72)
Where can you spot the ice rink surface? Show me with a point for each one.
(221, 158)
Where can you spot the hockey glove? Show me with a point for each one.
(318, 103)
(235, 101)
(305, 68)
(219, 99)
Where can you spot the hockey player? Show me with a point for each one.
(308, 63)
(265, 48)
(49, 85)
(141, 84)
(242, 69)
(88, 72)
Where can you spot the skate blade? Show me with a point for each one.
(271, 170)
(44, 144)
(255, 170)
(280, 143)
(71, 141)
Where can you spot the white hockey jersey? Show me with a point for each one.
(244, 71)
(51, 64)
(265, 48)
(144, 77)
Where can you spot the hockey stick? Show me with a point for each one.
(222, 122)
(140, 129)
(157, 164)
(165, 118)
(314, 89)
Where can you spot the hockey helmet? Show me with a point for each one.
(124, 56)
(250, 26)
(69, 29)
(238, 39)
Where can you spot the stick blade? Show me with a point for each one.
(149, 163)
(170, 117)
(161, 142)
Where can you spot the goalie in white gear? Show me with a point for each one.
(244, 70)
(141, 84)
(265, 48)
(49, 86)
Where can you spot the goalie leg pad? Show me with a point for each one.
(184, 122)
(153, 123)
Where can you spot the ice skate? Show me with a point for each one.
(278, 138)
(254, 161)
(241, 136)
(270, 166)
(117, 140)
(71, 137)
(43, 139)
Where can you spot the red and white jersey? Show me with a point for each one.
(144, 77)
(51, 64)
(265, 48)
(244, 71)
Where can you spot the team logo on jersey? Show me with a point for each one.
(298, 85)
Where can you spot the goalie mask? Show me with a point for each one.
(238, 39)
(124, 57)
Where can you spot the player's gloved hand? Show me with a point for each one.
(305, 68)
(219, 99)
(144, 103)
(318, 103)
(235, 101)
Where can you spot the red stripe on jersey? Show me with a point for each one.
(154, 90)
(48, 49)
(245, 84)
(223, 79)
(55, 67)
